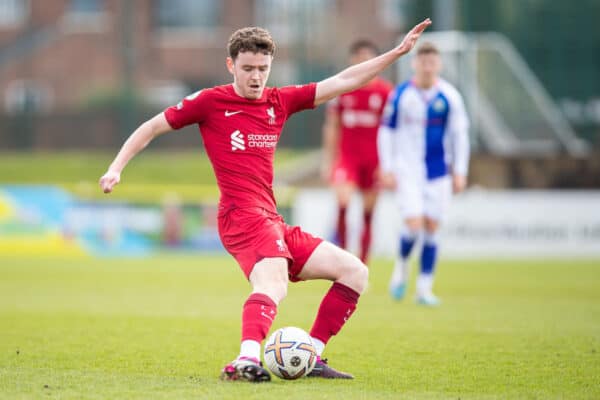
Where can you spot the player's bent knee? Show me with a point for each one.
(362, 278)
(280, 292)
(276, 292)
(355, 276)
(275, 288)
(269, 276)
(431, 226)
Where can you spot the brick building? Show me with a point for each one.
(58, 55)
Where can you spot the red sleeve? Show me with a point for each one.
(299, 97)
(191, 110)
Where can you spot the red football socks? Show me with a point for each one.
(336, 308)
(365, 240)
(341, 227)
(257, 317)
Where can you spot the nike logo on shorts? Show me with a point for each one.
(230, 113)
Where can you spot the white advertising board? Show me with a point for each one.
(479, 223)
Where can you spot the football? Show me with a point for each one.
(290, 353)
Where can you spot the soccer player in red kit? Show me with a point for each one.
(240, 124)
(350, 145)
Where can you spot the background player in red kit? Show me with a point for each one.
(240, 124)
(350, 145)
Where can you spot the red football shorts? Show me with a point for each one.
(359, 172)
(253, 233)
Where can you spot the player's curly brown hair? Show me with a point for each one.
(427, 48)
(360, 44)
(253, 38)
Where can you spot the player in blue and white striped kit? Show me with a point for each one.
(423, 147)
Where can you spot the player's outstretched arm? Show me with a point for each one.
(385, 152)
(458, 128)
(133, 145)
(358, 75)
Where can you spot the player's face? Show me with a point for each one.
(363, 54)
(427, 66)
(250, 73)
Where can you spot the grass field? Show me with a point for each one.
(162, 328)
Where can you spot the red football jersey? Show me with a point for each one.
(360, 112)
(240, 136)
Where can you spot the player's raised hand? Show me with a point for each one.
(109, 180)
(411, 37)
(459, 183)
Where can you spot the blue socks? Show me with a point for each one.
(407, 241)
(428, 261)
(429, 254)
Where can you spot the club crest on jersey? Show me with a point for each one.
(271, 114)
(237, 141)
(439, 105)
(280, 245)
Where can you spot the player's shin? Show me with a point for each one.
(407, 242)
(365, 240)
(428, 263)
(408, 238)
(341, 227)
(336, 308)
(257, 317)
(401, 267)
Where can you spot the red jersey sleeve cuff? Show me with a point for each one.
(171, 118)
(313, 89)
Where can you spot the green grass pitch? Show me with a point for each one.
(162, 328)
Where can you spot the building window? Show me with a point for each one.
(287, 20)
(392, 13)
(187, 14)
(13, 12)
(27, 96)
(86, 16)
(86, 6)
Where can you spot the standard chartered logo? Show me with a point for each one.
(237, 141)
(352, 118)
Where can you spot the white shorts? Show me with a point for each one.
(420, 197)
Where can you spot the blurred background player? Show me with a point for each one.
(350, 146)
(423, 148)
(240, 124)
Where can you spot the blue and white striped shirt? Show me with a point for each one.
(424, 133)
